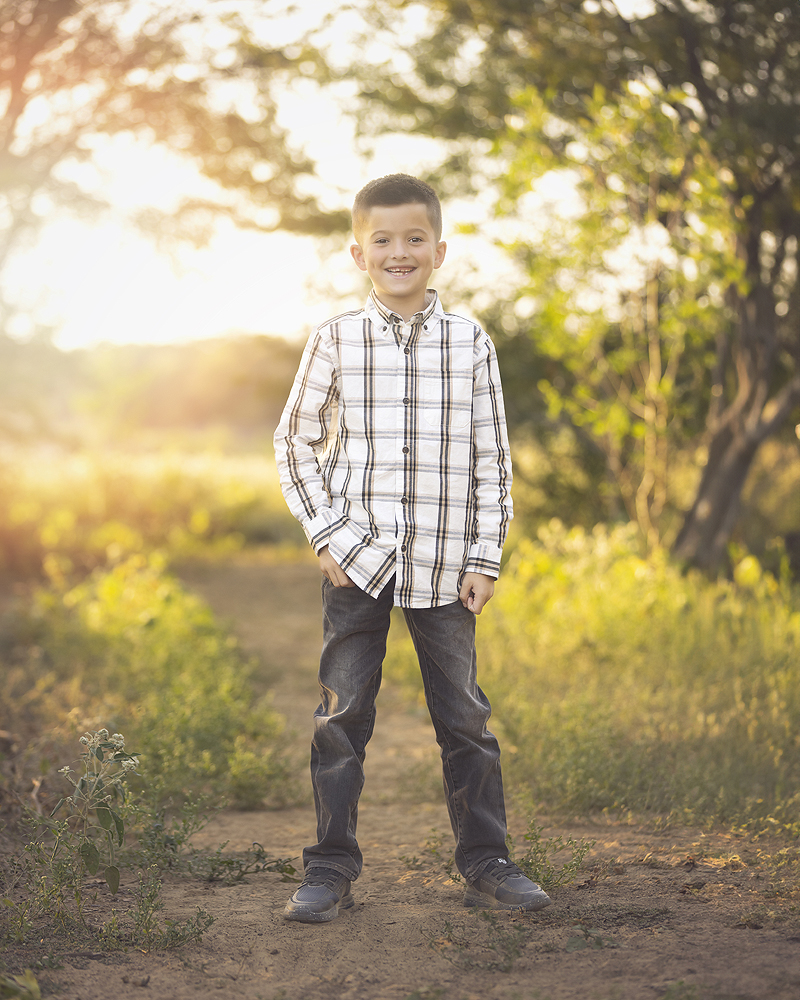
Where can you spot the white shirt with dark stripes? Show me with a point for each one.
(392, 450)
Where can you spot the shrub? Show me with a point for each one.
(621, 683)
(625, 684)
(132, 648)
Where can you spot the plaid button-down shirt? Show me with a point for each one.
(392, 450)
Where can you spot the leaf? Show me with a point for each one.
(118, 823)
(25, 986)
(60, 804)
(79, 789)
(104, 817)
(90, 856)
(98, 753)
(112, 878)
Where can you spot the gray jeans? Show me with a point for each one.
(354, 645)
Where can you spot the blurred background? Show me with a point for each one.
(621, 189)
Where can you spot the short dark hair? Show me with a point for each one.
(396, 189)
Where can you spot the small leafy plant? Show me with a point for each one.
(99, 828)
(487, 945)
(588, 937)
(537, 861)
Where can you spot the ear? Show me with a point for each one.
(358, 256)
(438, 257)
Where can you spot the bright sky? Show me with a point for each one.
(104, 281)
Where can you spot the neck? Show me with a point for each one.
(403, 307)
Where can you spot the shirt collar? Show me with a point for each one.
(432, 305)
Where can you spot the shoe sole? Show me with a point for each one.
(319, 916)
(473, 897)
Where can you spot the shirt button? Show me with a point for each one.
(406, 401)
(403, 499)
(403, 548)
(406, 449)
(407, 351)
(385, 328)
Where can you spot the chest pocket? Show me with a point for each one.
(443, 398)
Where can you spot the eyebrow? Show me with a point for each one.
(386, 232)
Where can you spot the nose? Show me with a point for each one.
(399, 249)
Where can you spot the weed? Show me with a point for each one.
(50, 880)
(537, 861)
(469, 950)
(434, 856)
(588, 937)
(705, 678)
(22, 987)
(143, 928)
(230, 869)
(102, 785)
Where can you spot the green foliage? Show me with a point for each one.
(588, 937)
(538, 860)
(70, 514)
(143, 927)
(623, 684)
(49, 883)
(22, 987)
(486, 943)
(620, 683)
(94, 805)
(232, 869)
(663, 319)
(133, 645)
(628, 291)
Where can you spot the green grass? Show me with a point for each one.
(619, 683)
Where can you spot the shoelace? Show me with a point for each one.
(503, 869)
(327, 879)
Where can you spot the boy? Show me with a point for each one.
(393, 455)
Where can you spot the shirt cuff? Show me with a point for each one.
(483, 558)
(318, 530)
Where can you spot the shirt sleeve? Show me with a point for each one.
(300, 441)
(491, 466)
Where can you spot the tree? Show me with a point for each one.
(191, 76)
(730, 73)
(627, 287)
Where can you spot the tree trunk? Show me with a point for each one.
(735, 436)
(707, 528)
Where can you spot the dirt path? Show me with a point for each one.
(673, 915)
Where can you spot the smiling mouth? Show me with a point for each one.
(400, 270)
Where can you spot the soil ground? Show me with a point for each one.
(665, 914)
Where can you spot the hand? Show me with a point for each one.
(476, 591)
(332, 571)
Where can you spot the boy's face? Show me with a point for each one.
(399, 251)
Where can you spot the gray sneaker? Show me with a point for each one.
(319, 896)
(502, 886)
